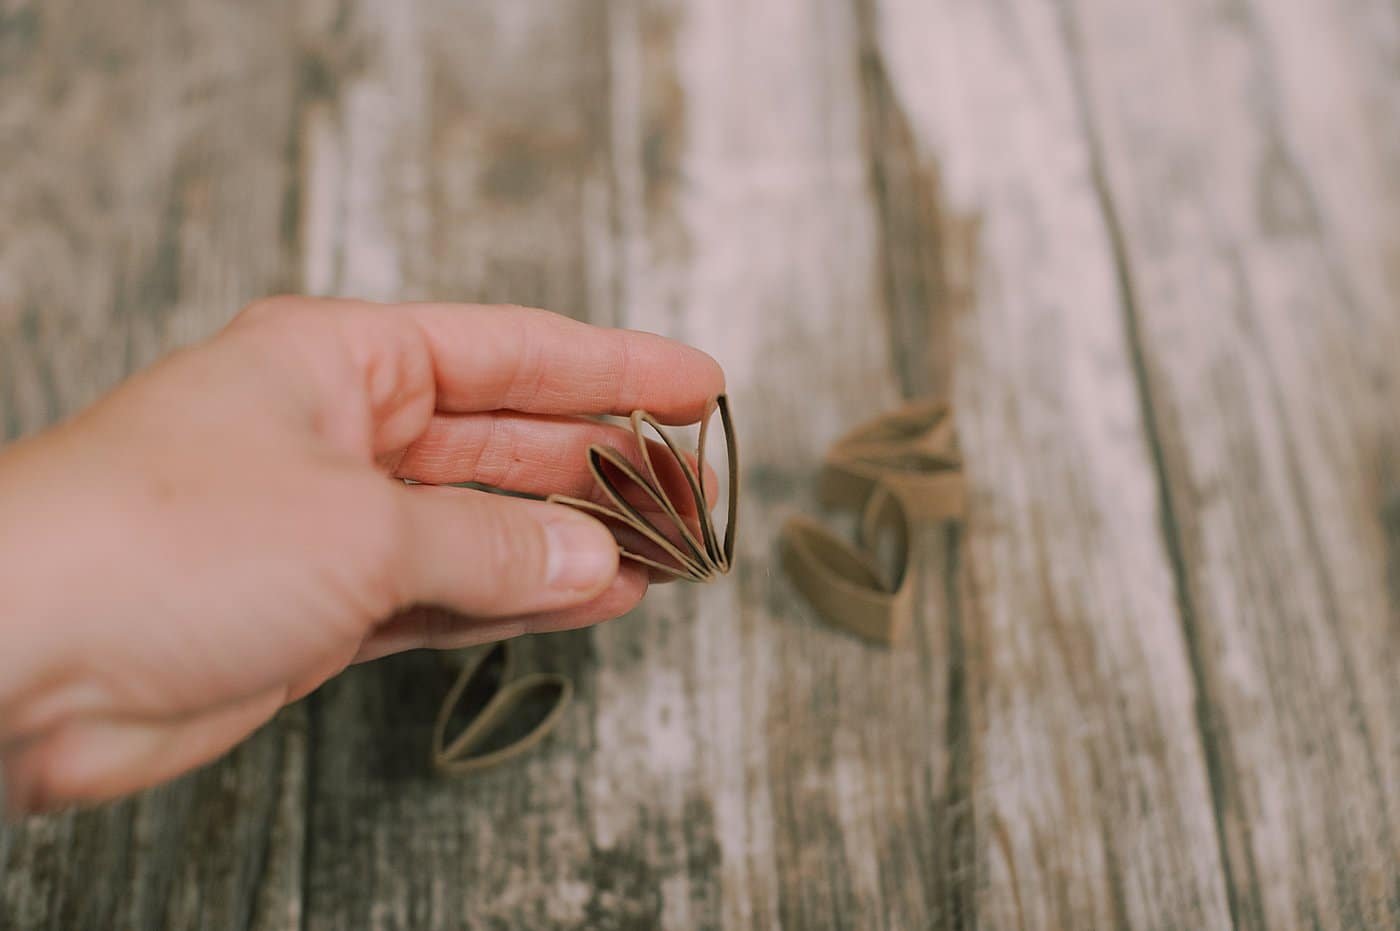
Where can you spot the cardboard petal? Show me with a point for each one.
(502, 718)
(844, 583)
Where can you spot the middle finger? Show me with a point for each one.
(536, 455)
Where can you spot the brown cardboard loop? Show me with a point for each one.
(912, 451)
(899, 469)
(847, 585)
(680, 550)
(887, 536)
(926, 426)
(504, 718)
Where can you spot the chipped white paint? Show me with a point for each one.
(364, 199)
(701, 169)
(1064, 547)
(1250, 319)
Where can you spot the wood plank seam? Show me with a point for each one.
(959, 870)
(1332, 602)
(1220, 769)
(940, 292)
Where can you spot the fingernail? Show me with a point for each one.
(582, 554)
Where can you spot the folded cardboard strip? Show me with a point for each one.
(693, 553)
(504, 716)
(901, 470)
(850, 586)
(912, 451)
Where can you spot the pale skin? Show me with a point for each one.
(229, 529)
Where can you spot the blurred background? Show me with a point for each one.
(1150, 250)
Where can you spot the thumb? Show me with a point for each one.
(490, 555)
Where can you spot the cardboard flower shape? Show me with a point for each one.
(676, 537)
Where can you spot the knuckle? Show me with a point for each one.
(496, 457)
(290, 314)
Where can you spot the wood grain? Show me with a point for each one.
(1091, 806)
(1151, 249)
(1267, 369)
(439, 172)
(145, 182)
(829, 786)
(144, 188)
(601, 189)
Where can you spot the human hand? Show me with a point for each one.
(228, 530)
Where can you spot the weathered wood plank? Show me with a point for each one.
(1153, 683)
(459, 153)
(823, 760)
(146, 172)
(1259, 235)
(143, 192)
(1091, 802)
(729, 763)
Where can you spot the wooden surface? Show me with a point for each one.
(1153, 249)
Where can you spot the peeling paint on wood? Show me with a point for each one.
(1151, 249)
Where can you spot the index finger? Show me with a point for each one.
(516, 358)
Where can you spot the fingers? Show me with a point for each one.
(533, 454)
(90, 761)
(532, 360)
(488, 555)
(439, 629)
(468, 358)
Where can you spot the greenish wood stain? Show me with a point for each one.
(1149, 248)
